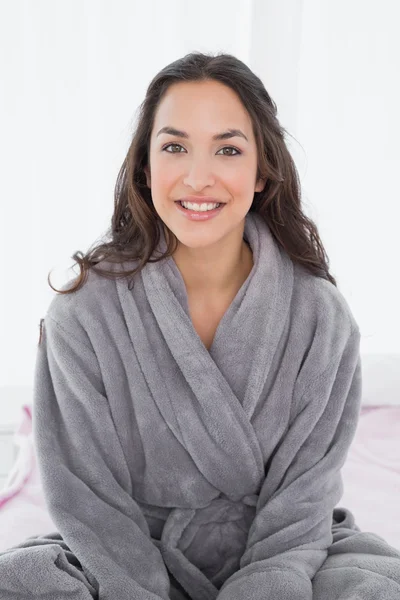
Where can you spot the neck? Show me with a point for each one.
(208, 275)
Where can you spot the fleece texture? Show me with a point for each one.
(171, 471)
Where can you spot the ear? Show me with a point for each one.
(260, 185)
(148, 176)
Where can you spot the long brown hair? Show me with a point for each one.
(134, 232)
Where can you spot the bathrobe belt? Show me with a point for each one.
(186, 573)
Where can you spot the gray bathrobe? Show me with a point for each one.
(174, 472)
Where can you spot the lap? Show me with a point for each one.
(359, 564)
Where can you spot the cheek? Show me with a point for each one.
(163, 178)
(161, 171)
(240, 183)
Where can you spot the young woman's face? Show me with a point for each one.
(198, 165)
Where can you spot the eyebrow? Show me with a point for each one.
(224, 135)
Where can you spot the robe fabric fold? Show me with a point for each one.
(176, 472)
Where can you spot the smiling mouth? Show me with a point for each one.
(198, 203)
(216, 207)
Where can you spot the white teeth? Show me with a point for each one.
(199, 207)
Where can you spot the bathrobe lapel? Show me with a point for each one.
(205, 401)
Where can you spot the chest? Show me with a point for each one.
(206, 318)
(205, 328)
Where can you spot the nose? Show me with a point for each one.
(199, 175)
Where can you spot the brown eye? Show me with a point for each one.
(176, 145)
(231, 148)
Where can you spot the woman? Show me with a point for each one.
(192, 410)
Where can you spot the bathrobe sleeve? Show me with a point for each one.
(85, 478)
(291, 531)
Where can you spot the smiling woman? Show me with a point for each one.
(191, 428)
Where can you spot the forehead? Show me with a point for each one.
(205, 107)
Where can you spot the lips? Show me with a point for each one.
(199, 214)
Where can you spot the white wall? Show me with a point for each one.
(349, 124)
(73, 74)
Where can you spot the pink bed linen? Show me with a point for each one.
(23, 511)
(371, 477)
(371, 473)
